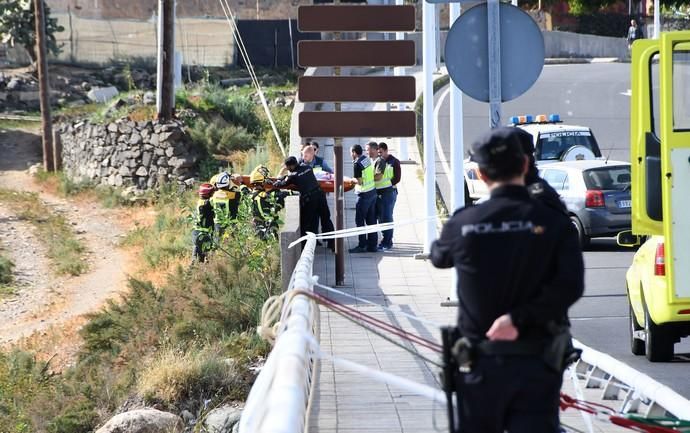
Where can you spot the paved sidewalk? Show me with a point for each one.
(347, 402)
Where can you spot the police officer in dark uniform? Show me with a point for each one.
(312, 200)
(519, 270)
(537, 187)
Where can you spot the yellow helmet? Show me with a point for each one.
(258, 175)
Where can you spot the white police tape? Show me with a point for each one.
(380, 376)
(355, 231)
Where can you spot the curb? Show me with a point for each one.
(580, 60)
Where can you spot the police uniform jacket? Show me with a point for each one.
(513, 255)
(303, 179)
(540, 189)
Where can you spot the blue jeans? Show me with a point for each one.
(384, 210)
(365, 214)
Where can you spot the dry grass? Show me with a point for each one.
(174, 375)
(65, 251)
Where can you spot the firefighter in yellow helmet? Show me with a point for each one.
(266, 204)
(226, 202)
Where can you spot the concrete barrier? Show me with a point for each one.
(289, 233)
(556, 44)
(565, 44)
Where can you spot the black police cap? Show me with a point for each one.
(290, 160)
(499, 147)
(526, 141)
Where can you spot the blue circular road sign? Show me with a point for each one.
(467, 52)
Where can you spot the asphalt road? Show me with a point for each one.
(594, 95)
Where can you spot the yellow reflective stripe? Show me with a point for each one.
(258, 199)
(368, 182)
(386, 178)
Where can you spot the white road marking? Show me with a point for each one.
(627, 93)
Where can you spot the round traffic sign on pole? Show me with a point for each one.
(467, 52)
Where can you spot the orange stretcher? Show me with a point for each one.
(327, 182)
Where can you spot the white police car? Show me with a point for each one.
(553, 142)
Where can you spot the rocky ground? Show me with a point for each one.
(42, 299)
(73, 86)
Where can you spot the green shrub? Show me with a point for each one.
(219, 138)
(168, 239)
(6, 267)
(234, 107)
(79, 417)
(282, 117)
(22, 379)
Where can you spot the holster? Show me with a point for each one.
(464, 352)
(559, 353)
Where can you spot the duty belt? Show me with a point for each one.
(526, 347)
(312, 192)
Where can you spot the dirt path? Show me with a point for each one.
(43, 299)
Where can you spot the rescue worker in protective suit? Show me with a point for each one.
(226, 202)
(202, 234)
(266, 204)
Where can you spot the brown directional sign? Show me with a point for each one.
(356, 18)
(355, 53)
(357, 124)
(356, 89)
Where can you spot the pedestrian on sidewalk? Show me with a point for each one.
(312, 200)
(634, 33)
(386, 177)
(365, 188)
(519, 269)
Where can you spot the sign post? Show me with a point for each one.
(339, 89)
(494, 38)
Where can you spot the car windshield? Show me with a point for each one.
(608, 178)
(552, 145)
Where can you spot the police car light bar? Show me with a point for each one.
(541, 118)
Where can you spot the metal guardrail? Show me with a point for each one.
(279, 400)
(637, 392)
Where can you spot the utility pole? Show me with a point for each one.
(44, 91)
(165, 101)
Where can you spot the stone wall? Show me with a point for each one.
(125, 153)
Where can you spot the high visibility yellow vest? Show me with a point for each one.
(200, 222)
(221, 206)
(385, 180)
(368, 183)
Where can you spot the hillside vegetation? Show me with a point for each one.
(183, 337)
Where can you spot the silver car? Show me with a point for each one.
(596, 193)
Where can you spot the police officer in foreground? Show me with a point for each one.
(519, 270)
